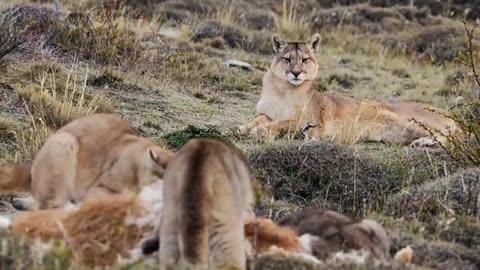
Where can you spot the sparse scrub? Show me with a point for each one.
(450, 196)
(364, 18)
(30, 140)
(9, 38)
(209, 71)
(8, 138)
(258, 19)
(61, 100)
(436, 254)
(7, 131)
(437, 44)
(290, 25)
(344, 80)
(105, 39)
(459, 84)
(338, 177)
(22, 253)
(259, 42)
(24, 27)
(465, 149)
(232, 36)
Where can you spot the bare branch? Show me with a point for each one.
(471, 52)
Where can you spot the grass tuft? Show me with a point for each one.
(61, 100)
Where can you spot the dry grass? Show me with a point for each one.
(61, 100)
(290, 24)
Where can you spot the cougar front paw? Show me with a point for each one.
(258, 132)
(423, 142)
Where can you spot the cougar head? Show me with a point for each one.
(296, 61)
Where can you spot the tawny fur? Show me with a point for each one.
(289, 103)
(267, 234)
(39, 224)
(96, 154)
(334, 232)
(15, 178)
(208, 196)
(405, 255)
(98, 232)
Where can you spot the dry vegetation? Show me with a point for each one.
(160, 65)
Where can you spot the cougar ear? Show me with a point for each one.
(153, 155)
(277, 42)
(314, 42)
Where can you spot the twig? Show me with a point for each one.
(471, 52)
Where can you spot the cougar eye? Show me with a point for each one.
(304, 60)
(286, 60)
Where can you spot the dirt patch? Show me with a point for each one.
(108, 80)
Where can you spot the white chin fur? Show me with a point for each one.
(295, 82)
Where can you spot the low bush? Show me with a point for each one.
(458, 194)
(339, 177)
(178, 138)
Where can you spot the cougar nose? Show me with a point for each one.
(296, 73)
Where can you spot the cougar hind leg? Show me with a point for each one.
(228, 244)
(53, 171)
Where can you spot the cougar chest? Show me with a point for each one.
(278, 105)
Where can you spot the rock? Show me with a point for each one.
(239, 64)
(169, 32)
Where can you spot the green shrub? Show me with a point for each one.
(178, 138)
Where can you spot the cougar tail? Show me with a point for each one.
(15, 178)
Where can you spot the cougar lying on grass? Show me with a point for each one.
(96, 154)
(289, 103)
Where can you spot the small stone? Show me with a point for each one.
(239, 64)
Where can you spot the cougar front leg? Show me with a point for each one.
(274, 128)
(259, 120)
